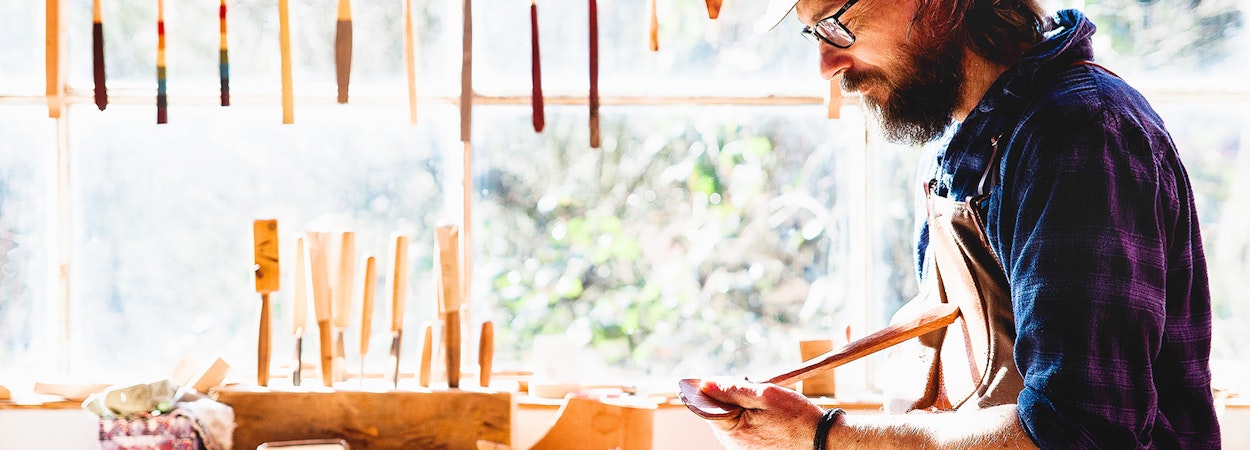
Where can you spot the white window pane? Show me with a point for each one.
(22, 31)
(163, 219)
(27, 158)
(699, 239)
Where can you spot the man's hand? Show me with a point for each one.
(773, 417)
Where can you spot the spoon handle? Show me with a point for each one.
(933, 319)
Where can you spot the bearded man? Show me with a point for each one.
(1088, 211)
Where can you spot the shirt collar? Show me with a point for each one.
(968, 152)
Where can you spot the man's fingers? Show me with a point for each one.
(734, 392)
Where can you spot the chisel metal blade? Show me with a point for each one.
(396, 340)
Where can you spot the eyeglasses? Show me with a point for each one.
(831, 30)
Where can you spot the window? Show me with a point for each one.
(723, 218)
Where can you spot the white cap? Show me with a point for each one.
(776, 12)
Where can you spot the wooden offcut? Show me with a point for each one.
(454, 419)
(821, 384)
(591, 424)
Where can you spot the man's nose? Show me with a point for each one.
(833, 60)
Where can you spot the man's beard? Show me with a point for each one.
(919, 105)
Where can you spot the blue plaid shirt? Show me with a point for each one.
(1093, 219)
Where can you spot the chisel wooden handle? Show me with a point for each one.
(466, 74)
(284, 46)
(655, 26)
(343, 49)
(451, 344)
(486, 353)
(299, 305)
(162, 98)
(97, 55)
(366, 307)
(318, 252)
(223, 57)
(536, 77)
(399, 281)
(713, 8)
(449, 298)
(410, 62)
(427, 355)
(263, 343)
(346, 281)
(327, 352)
(593, 99)
(268, 277)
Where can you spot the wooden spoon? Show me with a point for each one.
(933, 319)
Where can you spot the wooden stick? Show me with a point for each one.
(343, 49)
(268, 278)
(223, 60)
(284, 43)
(466, 75)
(486, 353)
(162, 98)
(318, 251)
(449, 299)
(410, 61)
(52, 58)
(540, 119)
(594, 74)
(97, 55)
(655, 26)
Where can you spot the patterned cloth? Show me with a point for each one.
(201, 424)
(164, 432)
(1093, 219)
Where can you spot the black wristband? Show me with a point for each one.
(822, 428)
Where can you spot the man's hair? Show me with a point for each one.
(998, 30)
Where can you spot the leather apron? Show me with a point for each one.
(970, 363)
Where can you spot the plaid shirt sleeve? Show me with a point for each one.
(1096, 228)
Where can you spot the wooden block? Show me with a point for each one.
(591, 424)
(821, 384)
(211, 376)
(454, 419)
(69, 390)
(184, 371)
